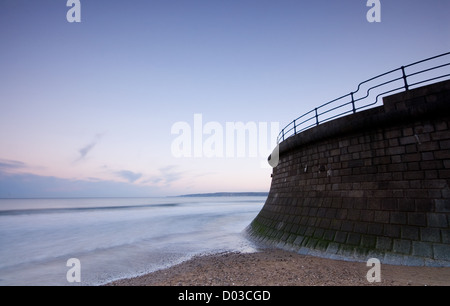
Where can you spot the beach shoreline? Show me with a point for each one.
(273, 267)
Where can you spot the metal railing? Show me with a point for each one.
(380, 85)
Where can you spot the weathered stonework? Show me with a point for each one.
(371, 184)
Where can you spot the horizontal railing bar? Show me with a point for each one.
(432, 79)
(309, 126)
(304, 115)
(376, 77)
(379, 85)
(319, 112)
(427, 59)
(429, 69)
(309, 119)
(382, 94)
(334, 108)
(338, 115)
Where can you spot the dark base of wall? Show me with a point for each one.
(373, 184)
(305, 245)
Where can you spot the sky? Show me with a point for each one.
(140, 98)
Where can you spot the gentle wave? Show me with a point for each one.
(79, 209)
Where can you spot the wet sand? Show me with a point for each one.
(281, 268)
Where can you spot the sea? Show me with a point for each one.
(93, 241)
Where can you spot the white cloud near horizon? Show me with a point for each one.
(27, 185)
(166, 176)
(11, 164)
(130, 176)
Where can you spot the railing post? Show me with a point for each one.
(353, 103)
(354, 109)
(404, 78)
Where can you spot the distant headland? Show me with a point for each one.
(227, 194)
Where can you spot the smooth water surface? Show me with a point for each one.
(115, 237)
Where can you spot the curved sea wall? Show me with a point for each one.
(371, 184)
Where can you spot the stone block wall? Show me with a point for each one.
(372, 184)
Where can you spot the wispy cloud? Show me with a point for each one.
(88, 148)
(129, 175)
(6, 165)
(85, 150)
(166, 176)
(25, 185)
(12, 166)
(170, 174)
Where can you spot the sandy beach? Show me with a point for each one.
(281, 268)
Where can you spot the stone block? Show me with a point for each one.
(441, 135)
(398, 217)
(429, 146)
(394, 133)
(440, 125)
(321, 245)
(381, 217)
(423, 249)
(389, 204)
(394, 259)
(444, 144)
(437, 220)
(424, 205)
(442, 205)
(332, 248)
(444, 174)
(402, 246)
(445, 234)
(329, 235)
(409, 232)
(392, 230)
(441, 251)
(368, 241)
(318, 233)
(430, 234)
(340, 237)
(360, 227)
(298, 240)
(367, 216)
(418, 219)
(374, 229)
(347, 226)
(384, 243)
(408, 140)
(311, 243)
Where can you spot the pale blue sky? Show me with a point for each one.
(87, 108)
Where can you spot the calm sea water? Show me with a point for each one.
(115, 238)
